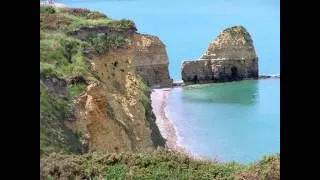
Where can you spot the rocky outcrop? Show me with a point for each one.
(231, 56)
(151, 61)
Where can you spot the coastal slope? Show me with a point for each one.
(91, 96)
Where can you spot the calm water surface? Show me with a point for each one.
(231, 121)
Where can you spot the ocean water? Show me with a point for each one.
(231, 121)
(188, 26)
(237, 121)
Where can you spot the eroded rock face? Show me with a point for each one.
(115, 114)
(151, 61)
(231, 56)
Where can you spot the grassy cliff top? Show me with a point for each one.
(70, 19)
(237, 32)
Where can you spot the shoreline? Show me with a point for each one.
(181, 83)
(159, 98)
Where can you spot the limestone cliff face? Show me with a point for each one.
(115, 114)
(151, 60)
(149, 56)
(231, 56)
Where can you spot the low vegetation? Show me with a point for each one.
(146, 102)
(70, 19)
(160, 164)
(239, 31)
(54, 136)
(102, 42)
(47, 10)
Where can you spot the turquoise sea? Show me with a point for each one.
(231, 121)
(228, 121)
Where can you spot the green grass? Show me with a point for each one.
(237, 31)
(144, 97)
(76, 89)
(47, 10)
(54, 136)
(102, 42)
(78, 22)
(66, 20)
(62, 56)
(160, 164)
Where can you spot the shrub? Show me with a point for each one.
(122, 24)
(76, 11)
(96, 15)
(54, 136)
(53, 21)
(47, 10)
(63, 56)
(160, 164)
(102, 43)
(76, 89)
(47, 70)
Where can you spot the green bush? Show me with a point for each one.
(62, 56)
(76, 89)
(102, 43)
(76, 11)
(47, 10)
(96, 15)
(116, 172)
(47, 70)
(54, 136)
(160, 164)
(122, 24)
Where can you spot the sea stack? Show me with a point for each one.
(231, 56)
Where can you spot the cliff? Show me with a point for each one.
(91, 94)
(231, 56)
(151, 61)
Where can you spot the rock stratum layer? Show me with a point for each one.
(231, 56)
